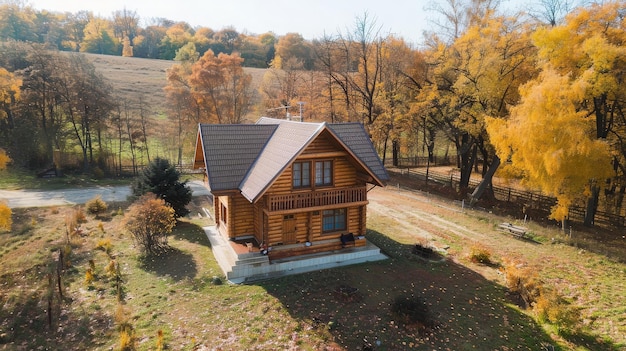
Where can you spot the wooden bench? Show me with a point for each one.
(514, 230)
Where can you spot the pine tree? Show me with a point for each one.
(162, 179)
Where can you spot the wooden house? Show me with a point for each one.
(295, 187)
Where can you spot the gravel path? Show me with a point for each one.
(36, 198)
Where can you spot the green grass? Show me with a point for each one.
(14, 178)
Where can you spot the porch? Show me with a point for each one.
(241, 266)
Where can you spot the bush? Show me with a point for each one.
(6, 220)
(149, 220)
(104, 245)
(111, 269)
(523, 282)
(96, 205)
(480, 254)
(89, 277)
(98, 173)
(551, 308)
(162, 179)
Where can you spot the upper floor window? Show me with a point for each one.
(323, 173)
(301, 174)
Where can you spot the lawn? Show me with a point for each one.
(181, 301)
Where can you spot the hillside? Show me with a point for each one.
(134, 78)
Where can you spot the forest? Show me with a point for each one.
(537, 95)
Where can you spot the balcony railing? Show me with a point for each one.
(318, 198)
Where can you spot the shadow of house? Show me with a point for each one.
(174, 263)
(468, 311)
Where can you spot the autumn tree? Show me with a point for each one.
(475, 77)
(9, 95)
(86, 104)
(229, 39)
(6, 221)
(125, 25)
(394, 95)
(150, 220)
(147, 42)
(74, 29)
(550, 141)
(584, 59)
(221, 87)
(281, 87)
(17, 23)
(175, 37)
(4, 159)
(99, 38)
(293, 47)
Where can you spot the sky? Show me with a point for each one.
(313, 19)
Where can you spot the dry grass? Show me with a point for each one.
(172, 300)
(139, 78)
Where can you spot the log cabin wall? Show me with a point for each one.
(322, 144)
(309, 226)
(244, 225)
(223, 215)
(260, 223)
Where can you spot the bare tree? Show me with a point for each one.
(551, 12)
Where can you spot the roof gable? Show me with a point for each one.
(230, 150)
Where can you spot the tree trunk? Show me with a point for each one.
(468, 152)
(592, 206)
(487, 178)
(396, 151)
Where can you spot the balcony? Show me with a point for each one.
(319, 198)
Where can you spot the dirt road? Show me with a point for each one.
(36, 198)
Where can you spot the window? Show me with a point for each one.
(223, 213)
(323, 173)
(301, 174)
(334, 220)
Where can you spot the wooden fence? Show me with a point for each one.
(130, 171)
(508, 194)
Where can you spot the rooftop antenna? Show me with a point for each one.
(286, 107)
(301, 103)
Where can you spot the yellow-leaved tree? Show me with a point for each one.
(588, 48)
(9, 95)
(4, 159)
(550, 141)
(5, 217)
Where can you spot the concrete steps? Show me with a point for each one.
(251, 267)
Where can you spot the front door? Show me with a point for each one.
(289, 229)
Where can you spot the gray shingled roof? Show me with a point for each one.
(230, 150)
(249, 157)
(354, 136)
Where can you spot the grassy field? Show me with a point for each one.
(181, 301)
(137, 78)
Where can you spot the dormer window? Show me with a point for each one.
(301, 174)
